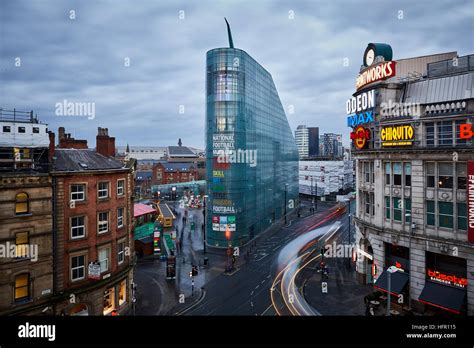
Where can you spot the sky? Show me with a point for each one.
(141, 63)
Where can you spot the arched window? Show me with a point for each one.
(22, 203)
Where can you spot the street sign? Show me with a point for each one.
(324, 287)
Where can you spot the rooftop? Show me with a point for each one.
(178, 166)
(180, 151)
(75, 160)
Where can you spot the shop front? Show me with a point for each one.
(445, 289)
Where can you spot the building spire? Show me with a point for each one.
(231, 43)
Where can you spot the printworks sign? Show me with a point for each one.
(397, 135)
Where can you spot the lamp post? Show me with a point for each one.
(204, 225)
(390, 270)
(286, 187)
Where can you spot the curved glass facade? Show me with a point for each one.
(252, 158)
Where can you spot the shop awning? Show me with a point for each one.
(140, 209)
(398, 281)
(143, 231)
(443, 296)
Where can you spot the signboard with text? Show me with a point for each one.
(397, 135)
(470, 201)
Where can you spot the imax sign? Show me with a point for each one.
(359, 119)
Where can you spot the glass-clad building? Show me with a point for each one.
(252, 158)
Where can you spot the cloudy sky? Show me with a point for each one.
(140, 60)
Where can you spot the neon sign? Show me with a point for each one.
(374, 73)
(360, 136)
(465, 131)
(397, 135)
(470, 201)
(447, 279)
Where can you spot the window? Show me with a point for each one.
(387, 173)
(430, 174)
(21, 242)
(407, 174)
(397, 209)
(22, 203)
(120, 187)
(22, 287)
(78, 192)
(445, 133)
(430, 134)
(103, 190)
(407, 210)
(367, 171)
(109, 301)
(78, 228)
(122, 292)
(397, 173)
(445, 177)
(458, 139)
(430, 213)
(103, 222)
(461, 173)
(78, 268)
(367, 202)
(445, 214)
(36, 130)
(462, 216)
(6, 129)
(372, 173)
(387, 207)
(21, 130)
(120, 217)
(104, 256)
(121, 252)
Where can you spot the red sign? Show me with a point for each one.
(374, 73)
(216, 165)
(470, 201)
(465, 131)
(374, 270)
(215, 219)
(360, 136)
(447, 279)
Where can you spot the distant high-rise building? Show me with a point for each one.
(301, 138)
(307, 141)
(332, 145)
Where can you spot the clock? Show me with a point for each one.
(375, 50)
(369, 57)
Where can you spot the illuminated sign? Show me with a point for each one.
(401, 135)
(446, 279)
(231, 219)
(362, 102)
(470, 201)
(223, 220)
(222, 142)
(215, 219)
(358, 119)
(374, 73)
(218, 173)
(223, 210)
(360, 136)
(465, 131)
(215, 227)
(374, 270)
(223, 202)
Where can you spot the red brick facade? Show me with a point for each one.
(161, 175)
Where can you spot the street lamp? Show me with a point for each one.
(390, 270)
(173, 189)
(204, 225)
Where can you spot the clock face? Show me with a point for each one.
(369, 57)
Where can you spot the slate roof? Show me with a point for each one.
(78, 160)
(180, 151)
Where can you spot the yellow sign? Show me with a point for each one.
(401, 135)
(218, 173)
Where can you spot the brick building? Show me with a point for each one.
(174, 172)
(26, 252)
(94, 221)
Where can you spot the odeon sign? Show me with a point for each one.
(358, 109)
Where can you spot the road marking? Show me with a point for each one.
(266, 310)
(251, 303)
(263, 281)
(195, 304)
(251, 293)
(268, 276)
(257, 286)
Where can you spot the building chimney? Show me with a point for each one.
(61, 133)
(105, 145)
(68, 142)
(51, 146)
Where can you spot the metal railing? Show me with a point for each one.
(18, 116)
